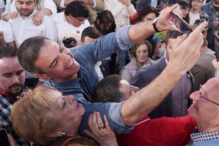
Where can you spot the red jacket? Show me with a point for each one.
(165, 131)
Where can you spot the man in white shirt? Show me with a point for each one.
(71, 23)
(23, 26)
(44, 7)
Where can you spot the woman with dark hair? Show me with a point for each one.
(184, 6)
(105, 22)
(147, 13)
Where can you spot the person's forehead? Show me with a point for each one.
(48, 53)
(142, 46)
(50, 49)
(211, 84)
(9, 64)
(210, 88)
(151, 14)
(50, 44)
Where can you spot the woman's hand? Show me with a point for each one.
(12, 15)
(38, 17)
(102, 134)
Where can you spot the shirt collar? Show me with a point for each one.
(204, 136)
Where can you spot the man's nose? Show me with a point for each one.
(195, 95)
(15, 79)
(24, 6)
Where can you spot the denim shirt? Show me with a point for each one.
(210, 10)
(111, 110)
(87, 56)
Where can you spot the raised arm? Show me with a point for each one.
(182, 58)
(142, 30)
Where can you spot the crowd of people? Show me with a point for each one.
(109, 72)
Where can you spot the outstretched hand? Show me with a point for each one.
(164, 20)
(186, 51)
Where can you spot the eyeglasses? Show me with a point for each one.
(205, 98)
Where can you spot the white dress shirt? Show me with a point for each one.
(23, 28)
(66, 30)
(5, 28)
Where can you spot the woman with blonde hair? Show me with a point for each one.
(44, 116)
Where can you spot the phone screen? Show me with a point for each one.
(183, 26)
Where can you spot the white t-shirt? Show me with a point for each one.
(5, 27)
(193, 17)
(66, 30)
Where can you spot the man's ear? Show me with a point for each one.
(42, 76)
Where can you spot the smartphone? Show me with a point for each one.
(183, 26)
(4, 137)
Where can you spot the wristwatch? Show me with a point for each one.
(154, 25)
